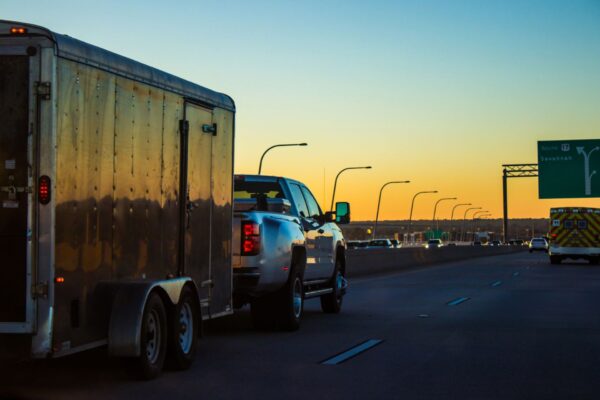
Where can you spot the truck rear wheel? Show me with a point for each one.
(555, 260)
(332, 303)
(153, 338)
(290, 302)
(185, 324)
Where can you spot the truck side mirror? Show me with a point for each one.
(342, 213)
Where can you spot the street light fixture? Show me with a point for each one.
(277, 145)
(452, 215)
(437, 226)
(412, 206)
(336, 179)
(379, 202)
(462, 231)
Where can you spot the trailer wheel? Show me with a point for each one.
(290, 302)
(332, 303)
(153, 338)
(555, 260)
(184, 329)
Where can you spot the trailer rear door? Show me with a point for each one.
(14, 190)
(199, 201)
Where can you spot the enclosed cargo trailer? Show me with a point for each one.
(116, 202)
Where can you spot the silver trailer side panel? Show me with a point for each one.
(117, 195)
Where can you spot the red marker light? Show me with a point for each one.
(59, 279)
(44, 190)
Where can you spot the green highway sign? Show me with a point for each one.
(569, 169)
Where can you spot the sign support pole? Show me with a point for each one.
(513, 171)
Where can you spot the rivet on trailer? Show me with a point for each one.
(116, 203)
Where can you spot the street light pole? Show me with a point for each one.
(437, 226)
(379, 203)
(336, 179)
(462, 230)
(272, 147)
(412, 204)
(452, 215)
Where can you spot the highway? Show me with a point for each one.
(504, 327)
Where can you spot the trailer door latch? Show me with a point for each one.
(210, 128)
(43, 90)
(39, 289)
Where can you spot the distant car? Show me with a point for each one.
(357, 244)
(477, 243)
(380, 243)
(538, 244)
(396, 243)
(516, 242)
(434, 244)
(495, 243)
(451, 244)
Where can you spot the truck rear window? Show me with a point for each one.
(252, 190)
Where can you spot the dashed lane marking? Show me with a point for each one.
(496, 284)
(456, 302)
(352, 352)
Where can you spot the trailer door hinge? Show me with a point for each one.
(39, 290)
(43, 90)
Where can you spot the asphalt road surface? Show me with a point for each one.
(504, 327)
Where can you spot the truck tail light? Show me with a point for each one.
(44, 189)
(250, 238)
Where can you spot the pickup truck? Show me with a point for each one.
(285, 250)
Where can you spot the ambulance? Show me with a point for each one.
(574, 234)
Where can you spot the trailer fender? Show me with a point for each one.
(127, 309)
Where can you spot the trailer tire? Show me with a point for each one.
(290, 301)
(555, 260)
(184, 331)
(331, 303)
(153, 338)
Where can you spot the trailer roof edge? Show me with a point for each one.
(76, 50)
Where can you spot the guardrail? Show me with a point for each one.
(368, 261)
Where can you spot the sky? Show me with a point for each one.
(441, 93)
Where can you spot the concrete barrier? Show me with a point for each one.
(362, 262)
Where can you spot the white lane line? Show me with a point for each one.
(496, 284)
(352, 352)
(458, 301)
